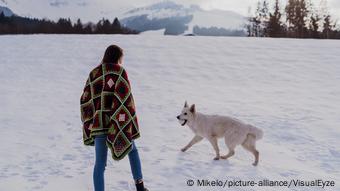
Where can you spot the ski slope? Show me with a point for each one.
(289, 88)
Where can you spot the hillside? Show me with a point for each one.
(177, 19)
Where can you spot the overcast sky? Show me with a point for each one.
(240, 6)
(108, 8)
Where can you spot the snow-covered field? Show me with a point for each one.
(289, 88)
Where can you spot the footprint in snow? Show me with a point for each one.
(145, 149)
(37, 187)
(68, 176)
(335, 153)
(289, 173)
(69, 157)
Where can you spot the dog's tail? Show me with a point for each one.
(256, 131)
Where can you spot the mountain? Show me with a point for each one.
(6, 11)
(177, 19)
(173, 18)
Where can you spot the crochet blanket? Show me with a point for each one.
(107, 107)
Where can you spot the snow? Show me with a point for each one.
(203, 18)
(153, 32)
(289, 88)
(217, 18)
(161, 10)
(6, 11)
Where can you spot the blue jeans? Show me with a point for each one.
(101, 158)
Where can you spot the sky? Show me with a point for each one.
(107, 8)
(240, 6)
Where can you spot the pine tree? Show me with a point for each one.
(116, 23)
(249, 23)
(301, 16)
(264, 18)
(2, 16)
(64, 26)
(103, 27)
(314, 26)
(290, 15)
(116, 27)
(327, 27)
(2, 25)
(326, 20)
(256, 21)
(296, 13)
(89, 28)
(275, 28)
(78, 27)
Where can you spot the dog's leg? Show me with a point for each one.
(253, 150)
(230, 147)
(230, 154)
(250, 145)
(195, 140)
(213, 141)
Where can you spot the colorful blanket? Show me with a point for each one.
(107, 107)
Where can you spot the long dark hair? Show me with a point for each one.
(112, 54)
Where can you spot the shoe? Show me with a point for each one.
(140, 186)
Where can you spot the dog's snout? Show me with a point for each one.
(177, 117)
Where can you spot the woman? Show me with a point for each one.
(109, 117)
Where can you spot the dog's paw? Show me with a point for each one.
(184, 149)
(255, 163)
(217, 158)
(224, 157)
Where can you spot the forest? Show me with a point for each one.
(298, 19)
(22, 25)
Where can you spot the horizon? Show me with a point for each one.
(109, 9)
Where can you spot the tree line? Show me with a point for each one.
(298, 19)
(22, 25)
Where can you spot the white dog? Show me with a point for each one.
(213, 127)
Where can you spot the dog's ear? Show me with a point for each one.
(193, 108)
(186, 104)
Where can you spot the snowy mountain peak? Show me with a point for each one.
(175, 18)
(6, 11)
(160, 10)
(181, 19)
(165, 5)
